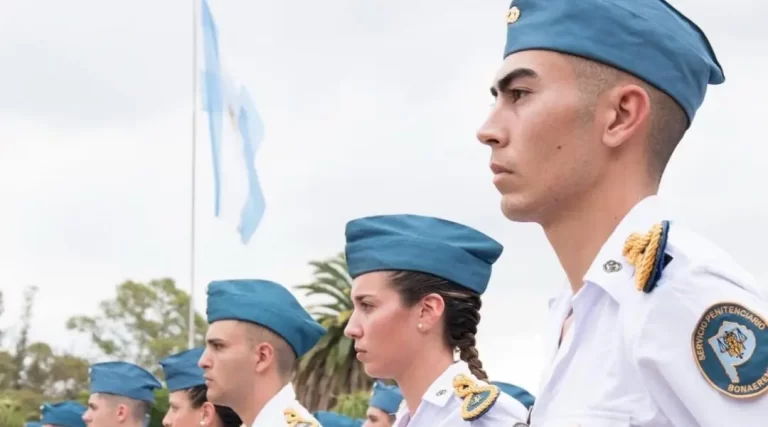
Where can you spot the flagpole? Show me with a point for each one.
(191, 318)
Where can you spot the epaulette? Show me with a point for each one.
(647, 253)
(293, 419)
(478, 399)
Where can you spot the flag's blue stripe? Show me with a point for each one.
(251, 132)
(212, 96)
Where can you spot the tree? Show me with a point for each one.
(11, 413)
(8, 370)
(56, 376)
(159, 408)
(21, 344)
(331, 368)
(142, 324)
(353, 405)
(2, 310)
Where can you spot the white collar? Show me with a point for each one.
(640, 219)
(272, 413)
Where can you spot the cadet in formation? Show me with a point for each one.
(188, 404)
(383, 406)
(63, 414)
(257, 331)
(659, 326)
(416, 294)
(121, 395)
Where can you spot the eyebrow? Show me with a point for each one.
(359, 298)
(511, 77)
(215, 341)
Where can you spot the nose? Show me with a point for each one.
(491, 132)
(204, 362)
(167, 419)
(353, 329)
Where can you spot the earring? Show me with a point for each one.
(420, 325)
(202, 423)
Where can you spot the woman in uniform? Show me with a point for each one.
(417, 283)
(189, 406)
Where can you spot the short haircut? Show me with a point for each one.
(138, 409)
(668, 120)
(284, 354)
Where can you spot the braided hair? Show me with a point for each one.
(462, 312)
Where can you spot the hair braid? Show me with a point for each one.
(461, 317)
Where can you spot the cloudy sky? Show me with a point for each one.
(370, 107)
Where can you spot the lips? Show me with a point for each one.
(499, 169)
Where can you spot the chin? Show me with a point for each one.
(213, 396)
(516, 210)
(376, 371)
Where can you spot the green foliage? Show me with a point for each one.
(331, 368)
(11, 413)
(20, 355)
(145, 321)
(142, 324)
(353, 405)
(159, 408)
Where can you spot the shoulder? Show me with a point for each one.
(297, 416)
(695, 273)
(707, 309)
(698, 274)
(485, 404)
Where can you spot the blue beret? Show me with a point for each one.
(124, 379)
(386, 397)
(33, 424)
(181, 370)
(649, 39)
(64, 414)
(423, 244)
(332, 419)
(518, 393)
(267, 304)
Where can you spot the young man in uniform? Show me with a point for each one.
(257, 331)
(659, 327)
(121, 395)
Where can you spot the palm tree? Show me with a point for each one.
(331, 368)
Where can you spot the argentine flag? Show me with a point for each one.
(235, 130)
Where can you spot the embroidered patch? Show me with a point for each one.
(730, 345)
(293, 419)
(478, 399)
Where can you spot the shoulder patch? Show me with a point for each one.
(646, 252)
(293, 419)
(730, 346)
(478, 399)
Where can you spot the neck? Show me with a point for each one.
(419, 376)
(249, 405)
(581, 228)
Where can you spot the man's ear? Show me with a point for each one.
(629, 114)
(265, 356)
(122, 412)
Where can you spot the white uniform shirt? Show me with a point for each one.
(273, 413)
(440, 407)
(633, 359)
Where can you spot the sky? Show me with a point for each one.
(369, 107)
